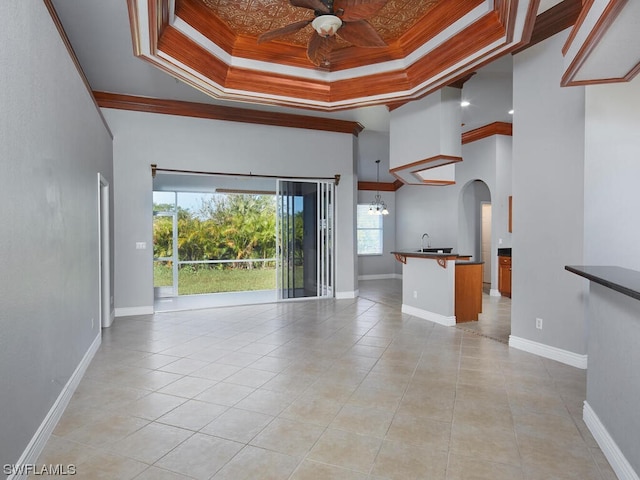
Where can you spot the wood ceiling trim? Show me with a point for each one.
(482, 33)
(556, 19)
(511, 20)
(586, 6)
(199, 16)
(530, 21)
(443, 15)
(378, 84)
(202, 19)
(273, 52)
(132, 7)
(278, 85)
(548, 23)
(610, 13)
(495, 128)
(163, 16)
(427, 163)
(186, 51)
(282, 89)
(374, 186)
(218, 112)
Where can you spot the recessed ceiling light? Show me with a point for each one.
(465, 103)
(511, 112)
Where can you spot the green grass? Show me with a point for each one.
(209, 280)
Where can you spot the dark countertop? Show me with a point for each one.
(620, 279)
(504, 252)
(413, 253)
(466, 262)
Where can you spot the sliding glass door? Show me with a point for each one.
(304, 239)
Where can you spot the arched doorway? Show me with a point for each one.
(474, 225)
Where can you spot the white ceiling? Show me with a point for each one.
(100, 35)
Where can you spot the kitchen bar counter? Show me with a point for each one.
(441, 258)
(619, 279)
(432, 291)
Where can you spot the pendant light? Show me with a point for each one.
(378, 207)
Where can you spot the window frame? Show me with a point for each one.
(364, 208)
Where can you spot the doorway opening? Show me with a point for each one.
(485, 245)
(477, 219)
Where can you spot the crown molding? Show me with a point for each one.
(495, 128)
(218, 112)
(375, 186)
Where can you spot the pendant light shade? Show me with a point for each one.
(378, 207)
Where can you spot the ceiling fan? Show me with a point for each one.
(345, 18)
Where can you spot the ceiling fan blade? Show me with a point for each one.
(361, 34)
(319, 49)
(353, 10)
(280, 32)
(315, 5)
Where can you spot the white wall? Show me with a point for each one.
(548, 200)
(211, 145)
(52, 146)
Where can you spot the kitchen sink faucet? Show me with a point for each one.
(428, 241)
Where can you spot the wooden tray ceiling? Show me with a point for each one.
(211, 44)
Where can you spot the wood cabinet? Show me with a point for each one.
(468, 295)
(504, 276)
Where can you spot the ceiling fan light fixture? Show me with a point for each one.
(326, 25)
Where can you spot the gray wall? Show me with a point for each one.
(612, 171)
(548, 200)
(380, 265)
(212, 145)
(52, 144)
(612, 237)
(374, 146)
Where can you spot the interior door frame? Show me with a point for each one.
(163, 292)
(104, 254)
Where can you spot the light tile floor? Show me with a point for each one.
(327, 389)
(494, 321)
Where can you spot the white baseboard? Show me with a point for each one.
(617, 460)
(494, 293)
(383, 276)
(39, 440)
(346, 295)
(132, 311)
(547, 351)
(427, 315)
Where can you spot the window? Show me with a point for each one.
(369, 232)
